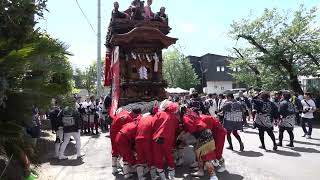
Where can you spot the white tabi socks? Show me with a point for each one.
(126, 170)
(161, 174)
(171, 173)
(115, 165)
(214, 177)
(153, 173)
(140, 172)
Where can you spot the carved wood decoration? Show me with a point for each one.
(140, 44)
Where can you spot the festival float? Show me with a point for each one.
(134, 56)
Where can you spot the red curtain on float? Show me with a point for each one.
(115, 86)
(107, 75)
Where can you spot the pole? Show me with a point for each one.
(99, 51)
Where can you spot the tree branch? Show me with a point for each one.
(252, 67)
(254, 42)
(308, 53)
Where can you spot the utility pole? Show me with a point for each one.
(99, 51)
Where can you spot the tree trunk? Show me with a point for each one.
(294, 84)
(293, 77)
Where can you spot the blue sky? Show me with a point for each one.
(200, 25)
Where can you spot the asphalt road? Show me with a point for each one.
(299, 163)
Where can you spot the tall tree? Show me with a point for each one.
(280, 46)
(178, 71)
(33, 69)
(78, 77)
(87, 79)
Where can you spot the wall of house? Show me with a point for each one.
(218, 86)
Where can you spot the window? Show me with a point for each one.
(222, 68)
(218, 69)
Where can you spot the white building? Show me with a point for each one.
(214, 73)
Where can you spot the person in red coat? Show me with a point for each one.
(144, 146)
(119, 121)
(125, 141)
(219, 135)
(205, 146)
(165, 125)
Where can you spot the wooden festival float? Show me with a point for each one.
(134, 55)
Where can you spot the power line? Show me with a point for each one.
(85, 16)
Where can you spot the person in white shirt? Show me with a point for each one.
(211, 104)
(309, 107)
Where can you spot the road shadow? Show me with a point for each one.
(95, 136)
(185, 175)
(304, 142)
(286, 153)
(70, 150)
(305, 150)
(250, 154)
(229, 176)
(315, 139)
(44, 150)
(70, 162)
(250, 132)
(183, 172)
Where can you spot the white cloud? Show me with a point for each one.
(188, 27)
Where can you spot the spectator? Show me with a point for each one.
(71, 127)
(196, 104)
(308, 107)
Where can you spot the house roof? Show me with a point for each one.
(209, 63)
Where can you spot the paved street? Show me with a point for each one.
(301, 162)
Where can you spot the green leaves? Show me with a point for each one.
(280, 45)
(178, 71)
(10, 131)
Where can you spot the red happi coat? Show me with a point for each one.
(144, 141)
(165, 125)
(218, 131)
(125, 142)
(129, 130)
(213, 124)
(119, 121)
(192, 122)
(144, 128)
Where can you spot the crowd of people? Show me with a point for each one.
(153, 141)
(150, 142)
(88, 117)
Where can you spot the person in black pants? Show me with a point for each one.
(196, 104)
(309, 108)
(265, 112)
(287, 119)
(246, 103)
